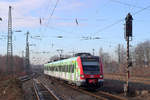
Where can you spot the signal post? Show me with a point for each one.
(128, 38)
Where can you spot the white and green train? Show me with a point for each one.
(80, 70)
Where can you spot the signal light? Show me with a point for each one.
(128, 26)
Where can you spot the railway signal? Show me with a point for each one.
(128, 37)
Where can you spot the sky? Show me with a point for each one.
(72, 19)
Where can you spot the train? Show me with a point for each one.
(82, 70)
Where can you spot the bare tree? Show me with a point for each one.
(121, 53)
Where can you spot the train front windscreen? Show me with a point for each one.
(91, 65)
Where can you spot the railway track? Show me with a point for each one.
(100, 95)
(28, 77)
(42, 92)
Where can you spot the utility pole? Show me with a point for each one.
(128, 37)
(9, 45)
(27, 59)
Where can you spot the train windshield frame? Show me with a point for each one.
(91, 65)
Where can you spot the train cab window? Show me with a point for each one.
(91, 67)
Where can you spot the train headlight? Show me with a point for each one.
(82, 76)
(101, 76)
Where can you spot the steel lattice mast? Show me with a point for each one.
(9, 44)
(27, 61)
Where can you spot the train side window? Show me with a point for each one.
(55, 68)
(66, 68)
(63, 68)
(72, 69)
(52, 68)
(49, 68)
(69, 68)
(59, 68)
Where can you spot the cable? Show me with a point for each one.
(141, 10)
(109, 26)
(118, 21)
(126, 4)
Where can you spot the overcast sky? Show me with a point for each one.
(72, 19)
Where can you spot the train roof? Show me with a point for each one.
(62, 61)
(71, 59)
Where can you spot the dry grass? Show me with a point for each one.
(10, 89)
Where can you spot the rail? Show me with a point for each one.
(42, 92)
(98, 94)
